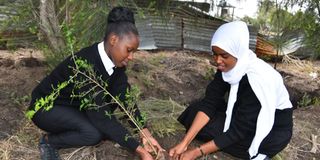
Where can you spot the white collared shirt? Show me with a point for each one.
(107, 62)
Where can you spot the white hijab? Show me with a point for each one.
(266, 83)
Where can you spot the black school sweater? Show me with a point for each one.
(117, 85)
(244, 117)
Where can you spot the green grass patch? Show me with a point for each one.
(307, 100)
(158, 59)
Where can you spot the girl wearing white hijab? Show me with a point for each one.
(256, 121)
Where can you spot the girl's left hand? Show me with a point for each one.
(147, 146)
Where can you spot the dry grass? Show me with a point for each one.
(21, 145)
(162, 115)
(83, 153)
(304, 143)
(301, 65)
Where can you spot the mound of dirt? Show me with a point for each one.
(302, 80)
(178, 75)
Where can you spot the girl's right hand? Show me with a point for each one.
(177, 150)
(144, 155)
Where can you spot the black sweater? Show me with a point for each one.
(244, 115)
(117, 85)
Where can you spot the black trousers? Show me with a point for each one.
(67, 127)
(215, 127)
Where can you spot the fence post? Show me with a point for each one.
(182, 34)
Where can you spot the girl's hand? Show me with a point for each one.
(147, 146)
(144, 155)
(198, 123)
(154, 142)
(190, 154)
(177, 150)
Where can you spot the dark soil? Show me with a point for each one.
(19, 75)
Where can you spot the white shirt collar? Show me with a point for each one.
(107, 62)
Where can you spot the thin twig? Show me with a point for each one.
(74, 152)
(314, 143)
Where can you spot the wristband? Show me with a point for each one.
(202, 153)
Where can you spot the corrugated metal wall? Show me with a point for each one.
(147, 40)
(181, 31)
(253, 38)
(198, 33)
(159, 33)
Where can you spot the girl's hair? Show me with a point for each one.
(121, 22)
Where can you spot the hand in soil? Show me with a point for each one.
(154, 143)
(147, 138)
(162, 155)
(177, 150)
(189, 155)
(146, 157)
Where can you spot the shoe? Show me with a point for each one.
(47, 152)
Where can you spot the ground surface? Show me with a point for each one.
(177, 77)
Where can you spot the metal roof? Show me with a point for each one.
(181, 29)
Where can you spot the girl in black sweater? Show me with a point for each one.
(256, 121)
(68, 126)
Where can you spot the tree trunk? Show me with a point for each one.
(318, 9)
(49, 25)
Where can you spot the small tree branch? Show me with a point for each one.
(92, 78)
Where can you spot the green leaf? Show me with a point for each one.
(29, 114)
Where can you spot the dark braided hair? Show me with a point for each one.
(121, 22)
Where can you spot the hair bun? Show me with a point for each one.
(121, 14)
